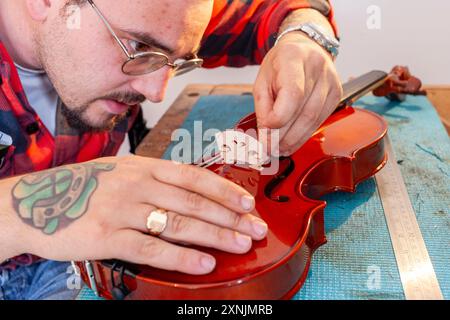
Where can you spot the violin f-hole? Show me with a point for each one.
(278, 179)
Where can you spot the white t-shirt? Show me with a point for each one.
(41, 95)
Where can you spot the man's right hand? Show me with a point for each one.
(106, 219)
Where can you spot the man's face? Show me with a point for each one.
(84, 64)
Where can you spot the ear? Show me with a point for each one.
(38, 9)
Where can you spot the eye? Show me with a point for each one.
(138, 46)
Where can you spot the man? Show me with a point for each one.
(69, 95)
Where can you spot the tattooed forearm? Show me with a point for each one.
(52, 199)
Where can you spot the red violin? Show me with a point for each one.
(347, 149)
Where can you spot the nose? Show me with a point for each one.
(153, 85)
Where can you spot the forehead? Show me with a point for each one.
(176, 23)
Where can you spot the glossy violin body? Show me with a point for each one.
(347, 149)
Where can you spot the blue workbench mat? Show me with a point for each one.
(358, 261)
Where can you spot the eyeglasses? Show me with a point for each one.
(149, 61)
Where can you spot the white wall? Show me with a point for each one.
(413, 32)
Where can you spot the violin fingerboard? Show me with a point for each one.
(358, 87)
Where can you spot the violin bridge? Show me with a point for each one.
(240, 149)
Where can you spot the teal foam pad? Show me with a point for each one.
(87, 294)
(358, 261)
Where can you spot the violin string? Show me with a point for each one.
(212, 160)
(209, 162)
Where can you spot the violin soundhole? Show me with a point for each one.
(277, 180)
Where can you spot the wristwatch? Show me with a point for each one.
(316, 33)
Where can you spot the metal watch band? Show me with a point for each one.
(317, 34)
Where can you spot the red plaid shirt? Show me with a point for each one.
(240, 33)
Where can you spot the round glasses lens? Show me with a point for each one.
(187, 66)
(144, 63)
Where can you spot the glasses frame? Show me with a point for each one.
(178, 68)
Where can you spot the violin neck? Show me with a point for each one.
(358, 87)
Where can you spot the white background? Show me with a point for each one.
(415, 33)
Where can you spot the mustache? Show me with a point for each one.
(129, 98)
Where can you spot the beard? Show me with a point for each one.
(78, 118)
(74, 84)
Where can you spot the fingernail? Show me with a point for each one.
(247, 202)
(208, 263)
(243, 241)
(260, 227)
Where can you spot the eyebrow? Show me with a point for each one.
(152, 42)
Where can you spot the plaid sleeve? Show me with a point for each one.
(241, 32)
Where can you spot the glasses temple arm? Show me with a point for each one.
(110, 28)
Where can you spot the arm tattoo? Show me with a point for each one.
(53, 199)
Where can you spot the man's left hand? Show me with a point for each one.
(297, 88)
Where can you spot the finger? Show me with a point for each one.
(196, 232)
(205, 183)
(317, 109)
(135, 247)
(264, 104)
(206, 211)
(309, 89)
(307, 121)
(284, 107)
(263, 98)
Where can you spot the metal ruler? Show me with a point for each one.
(416, 270)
